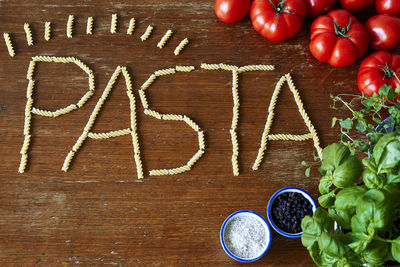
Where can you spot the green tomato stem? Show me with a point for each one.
(342, 31)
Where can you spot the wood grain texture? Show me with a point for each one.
(98, 213)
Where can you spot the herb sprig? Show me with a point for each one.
(366, 119)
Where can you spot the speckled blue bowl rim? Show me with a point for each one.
(223, 242)
(271, 200)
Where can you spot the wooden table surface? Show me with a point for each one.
(99, 213)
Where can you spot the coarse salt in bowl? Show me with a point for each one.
(306, 195)
(245, 236)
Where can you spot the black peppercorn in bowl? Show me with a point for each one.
(287, 207)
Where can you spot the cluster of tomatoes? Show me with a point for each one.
(337, 37)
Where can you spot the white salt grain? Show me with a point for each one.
(245, 237)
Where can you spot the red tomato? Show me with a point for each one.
(338, 38)
(277, 20)
(230, 11)
(391, 7)
(378, 69)
(355, 5)
(316, 8)
(384, 31)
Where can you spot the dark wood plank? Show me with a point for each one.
(98, 213)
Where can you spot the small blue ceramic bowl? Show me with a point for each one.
(285, 190)
(260, 219)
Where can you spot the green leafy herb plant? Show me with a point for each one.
(359, 224)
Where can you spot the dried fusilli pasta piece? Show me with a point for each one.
(31, 69)
(70, 26)
(29, 90)
(25, 146)
(172, 117)
(180, 46)
(202, 144)
(164, 39)
(184, 68)
(228, 67)
(191, 123)
(67, 161)
(28, 34)
(109, 134)
(164, 72)
(235, 152)
(143, 99)
(114, 21)
(9, 44)
(235, 117)
(22, 164)
(179, 170)
(84, 98)
(148, 82)
(153, 113)
(47, 30)
(80, 141)
(195, 158)
(131, 27)
(210, 66)
(41, 112)
(91, 82)
(256, 67)
(65, 110)
(83, 66)
(290, 137)
(147, 33)
(89, 25)
(139, 166)
(27, 124)
(235, 164)
(159, 172)
(28, 106)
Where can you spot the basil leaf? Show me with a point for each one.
(373, 180)
(324, 184)
(315, 253)
(333, 155)
(328, 260)
(396, 249)
(342, 217)
(347, 198)
(320, 221)
(311, 231)
(360, 224)
(376, 252)
(393, 178)
(380, 146)
(327, 200)
(370, 164)
(376, 206)
(390, 158)
(347, 173)
(357, 241)
(332, 245)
